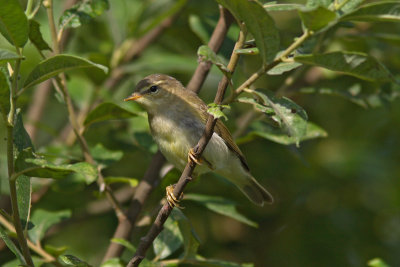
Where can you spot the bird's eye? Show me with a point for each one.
(154, 88)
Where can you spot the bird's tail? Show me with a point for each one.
(254, 191)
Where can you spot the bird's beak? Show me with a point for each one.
(134, 96)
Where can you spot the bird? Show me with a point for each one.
(177, 118)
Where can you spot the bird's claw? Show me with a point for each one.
(172, 200)
(191, 157)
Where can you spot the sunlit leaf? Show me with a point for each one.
(36, 37)
(108, 111)
(206, 54)
(317, 18)
(376, 11)
(259, 23)
(37, 262)
(113, 262)
(13, 22)
(216, 110)
(351, 63)
(377, 262)
(43, 220)
(71, 260)
(118, 179)
(55, 251)
(124, 243)
(281, 7)
(11, 246)
(283, 67)
(169, 240)
(52, 66)
(221, 206)
(6, 56)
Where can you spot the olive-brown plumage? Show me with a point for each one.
(177, 119)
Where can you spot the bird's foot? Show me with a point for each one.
(172, 200)
(191, 157)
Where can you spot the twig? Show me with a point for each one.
(151, 177)
(185, 178)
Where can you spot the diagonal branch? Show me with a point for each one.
(185, 178)
(151, 177)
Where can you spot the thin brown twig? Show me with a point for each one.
(151, 177)
(185, 178)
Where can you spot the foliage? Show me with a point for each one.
(69, 155)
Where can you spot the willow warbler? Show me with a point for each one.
(177, 119)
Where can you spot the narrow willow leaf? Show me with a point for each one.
(124, 243)
(376, 11)
(13, 22)
(247, 100)
(317, 18)
(190, 238)
(55, 251)
(35, 36)
(198, 28)
(248, 51)
(71, 260)
(206, 54)
(276, 135)
(12, 246)
(107, 111)
(350, 5)
(290, 117)
(169, 240)
(118, 179)
(4, 93)
(316, 3)
(283, 67)
(216, 110)
(282, 7)
(351, 63)
(220, 206)
(6, 56)
(105, 156)
(43, 220)
(259, 23)
(50, 67)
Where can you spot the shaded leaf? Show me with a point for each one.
(11, 246)
(108, 111)
(256, 105)
(105, 156)
(220, 206)
(216, 110)
(36, 37)
(281, 7)
(145, 141)
(4, 93)
(351, 5)
(124, 243)
(13, 22)
(190, 239)
(6, 56)
(55, 251)
(198, 28)
(71, 260)
(248, 51)
(317, 18)
(206, 54)
(201, 261)
(22, 139)
(316, 3)
(283, 67)
(169, 240)
(290, 117)
(377, 11)
(259, 23)
(52, 66)
(351, 63)
(118, 179)
(43, 220)
(276, 135)
(37, 262)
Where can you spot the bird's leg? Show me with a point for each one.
(172, 200)
(191, 157)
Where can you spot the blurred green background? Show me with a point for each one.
(337, 198)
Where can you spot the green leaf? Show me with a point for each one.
(248, 51)
(55, 251)
(316, 3)
(350, 5)
(247, 100)
(22, 139)
(12, 246)
(13, 22)
(6, 56)
(113, 262)
(124, 243)
(377, 262)
(37, 262)
(206, 54)
(283, 67)
(201, 261)
(24, 191)
(71, 260)
(43, 220)
(216, 110)
(374, 12)
(317, 18)
(198, 28)
(118, 179)
(351, 63)
(259, 23)
(263, 130)
(4, 93)
(169, 240)
(108, 111)
(290, 117)
(190, 239)
(281, 7)
(220, 206)
(105, 156)
(35, 36)
(52, 66)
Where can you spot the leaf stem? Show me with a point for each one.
(29, 6)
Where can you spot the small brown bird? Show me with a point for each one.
(177, 119)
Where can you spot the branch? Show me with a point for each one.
(151, 177)
(185, 178)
